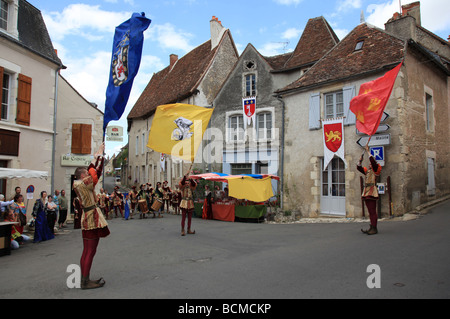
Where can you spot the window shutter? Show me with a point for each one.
(431, 181)
(24, 100)
(2, 70)
(81, 138)
(349, 94)
(314, 111)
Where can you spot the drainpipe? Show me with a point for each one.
(283, 107)
(55, 108)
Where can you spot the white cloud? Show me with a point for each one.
(344, 5)
(432, 12)
(291, 33)
(288, 2)
(274, 48)
(170, 38)
(83, 20)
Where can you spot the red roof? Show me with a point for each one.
(380, 50)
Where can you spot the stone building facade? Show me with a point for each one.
(417, 155)
(193, 79)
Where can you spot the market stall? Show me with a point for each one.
(245, 197)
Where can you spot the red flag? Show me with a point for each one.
(369, 105)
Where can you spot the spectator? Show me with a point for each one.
(51, 213)
(41, 230)
(3, 205)
(17, 238)
(20, 211)
(63, 207)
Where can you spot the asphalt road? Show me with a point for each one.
(149, 259)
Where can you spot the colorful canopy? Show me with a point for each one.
(254, 187)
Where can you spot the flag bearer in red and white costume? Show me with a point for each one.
(370, 193)
(93, 223)
(187, 187)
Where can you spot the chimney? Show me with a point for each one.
(217, 31)
(173, 60)
(413, 10)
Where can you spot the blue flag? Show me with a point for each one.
(125, 62)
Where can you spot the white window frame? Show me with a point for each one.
(429, 112)
(8, 95)
(230, 133)
(263, 111)
(253, 90)
(143, 143)
(335, 113)
(7, 15)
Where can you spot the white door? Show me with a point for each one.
(333, 188)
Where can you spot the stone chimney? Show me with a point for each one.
(405, 24)
(173, 60)
(413, 10)
(217, 31)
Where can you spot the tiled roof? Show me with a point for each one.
(380, 50)
(317, 39)
(169, 86)
(33, 32)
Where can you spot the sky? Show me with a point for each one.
(82, 31)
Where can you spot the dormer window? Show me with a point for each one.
(359, 45)
(4, 15)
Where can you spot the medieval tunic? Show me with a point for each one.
(370, 192)
(93, 223)
(370, 187)
(187, 195)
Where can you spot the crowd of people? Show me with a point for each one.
(49, 212)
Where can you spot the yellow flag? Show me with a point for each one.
(178, 129)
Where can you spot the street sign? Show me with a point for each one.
(378, 154)
(382, 128)
(384, 117)
(377, 140)
(114, 133)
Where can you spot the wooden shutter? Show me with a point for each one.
(24, 100)
(81, 138)
(314, 111)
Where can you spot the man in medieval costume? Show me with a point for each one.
(370, 192)
(187, 187)
(93, 223)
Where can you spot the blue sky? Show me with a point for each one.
(82, 31)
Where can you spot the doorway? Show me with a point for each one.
(333, 188)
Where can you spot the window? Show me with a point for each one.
(4, 15)
(264, 126)
(359, 45)
(143, 143)
(429, 112)
(239, 169)
(236, 128)
(137, 145)
(250, 85)
(334, 105)
(5, 95)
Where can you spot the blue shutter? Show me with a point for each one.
(314, 111)
(349, 94)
